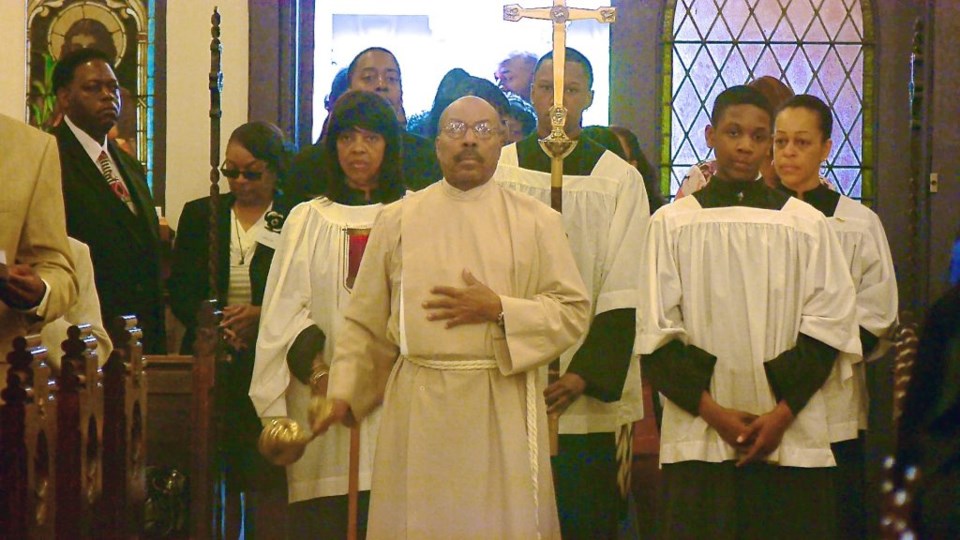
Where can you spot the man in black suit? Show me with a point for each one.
(107, 200)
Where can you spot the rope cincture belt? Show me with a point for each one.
(476, 364)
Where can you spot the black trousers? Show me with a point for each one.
(719, 501)
(850, 490)
(585, 479)
(325, 518)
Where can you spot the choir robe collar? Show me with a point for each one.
(473, 194)
(580, 162)
(821, 197)
(720, 192)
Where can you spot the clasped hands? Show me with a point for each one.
(754, 437)
(239, 325)
(21, 286)
(474, 304)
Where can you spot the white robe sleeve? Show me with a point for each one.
(659, 315)
(86, 309)
(829, 306)
(365, 348)
(877, 291)
(541, 327)
(625, 240)
(285, 312)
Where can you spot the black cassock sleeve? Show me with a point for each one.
(799, 372)
(604, 358)
(304, 349)
(868, 341)
(680, 372)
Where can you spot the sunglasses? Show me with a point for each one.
(233, 174)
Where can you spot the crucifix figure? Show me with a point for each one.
(557, 144)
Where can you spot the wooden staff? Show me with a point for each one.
(353, 486)
(204, 510)
(216, 89)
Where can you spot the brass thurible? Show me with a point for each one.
(283, 441)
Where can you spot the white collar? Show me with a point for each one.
(89, 144)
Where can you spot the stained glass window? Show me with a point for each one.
(819, 47)
(126, 32)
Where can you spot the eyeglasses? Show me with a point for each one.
(455, 129)
(233, 174)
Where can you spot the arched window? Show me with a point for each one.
(819, 47)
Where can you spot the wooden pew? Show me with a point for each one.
(74, 446)
(28, 449)
(168, 438)
(124, 432)
(79, 434)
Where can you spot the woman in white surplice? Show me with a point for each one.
(310, 281)
(802, 142)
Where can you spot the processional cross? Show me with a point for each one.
(557, 145)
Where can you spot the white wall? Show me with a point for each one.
(188, 97)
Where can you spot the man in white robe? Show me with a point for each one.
(802, 142)
(605, 215)
(468, 289)
(747, 305)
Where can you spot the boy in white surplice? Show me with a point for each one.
(746, 304)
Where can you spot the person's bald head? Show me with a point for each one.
(468, 142)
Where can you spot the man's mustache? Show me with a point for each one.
(469, 153)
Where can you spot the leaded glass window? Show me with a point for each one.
(819, 47)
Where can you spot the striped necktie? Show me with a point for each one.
(116, 184)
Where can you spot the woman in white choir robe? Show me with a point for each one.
(801, 143)
(309, 284)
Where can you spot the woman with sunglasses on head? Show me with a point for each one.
(254, 166)
(310, 281)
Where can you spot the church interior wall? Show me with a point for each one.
(12, 61)
(945, 215)
(635, 74)
(188, 65)
(894, 20)
(188, 96)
